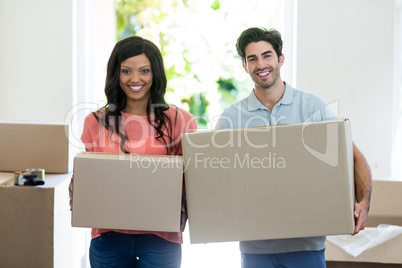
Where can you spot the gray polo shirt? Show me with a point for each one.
(295, 106)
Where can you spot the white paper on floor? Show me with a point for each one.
(368, 238)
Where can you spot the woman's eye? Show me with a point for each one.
(145, 71)
(125, 71)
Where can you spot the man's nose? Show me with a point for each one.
(260, 64)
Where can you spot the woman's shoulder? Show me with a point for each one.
(183, 120)
(92, 119)
(175, 112)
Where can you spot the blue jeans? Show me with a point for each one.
(113, 249)
(300, 259)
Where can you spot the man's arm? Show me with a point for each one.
(363, 184)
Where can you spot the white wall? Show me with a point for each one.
(53, 58)
(345, 53)
(53, 55)
(36, 63)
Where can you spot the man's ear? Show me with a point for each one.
(244, 66)
(281, 59)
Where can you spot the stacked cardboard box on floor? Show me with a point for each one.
(35, 220)
(35, 223)
(386, 208)
(272, 182)
(35, 145)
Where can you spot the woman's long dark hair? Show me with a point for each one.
(116, 98)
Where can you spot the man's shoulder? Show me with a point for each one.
(312, 105)
(301, 96)
(302, 93)
(229, 116)
(236, 106)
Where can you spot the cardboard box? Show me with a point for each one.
(35, 223)
(273, 182)
(131, 192)
(361, 265)
(34, 145)
(385, 208)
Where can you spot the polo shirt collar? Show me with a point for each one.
(287, 97)
(255, 104)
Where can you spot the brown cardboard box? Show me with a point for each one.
(273, 182)
(35, 223)
(132, 192)
(385, 208)
(34, 145)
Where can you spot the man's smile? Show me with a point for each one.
(263, 74)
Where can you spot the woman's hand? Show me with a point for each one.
(70, 191)
(183, 215)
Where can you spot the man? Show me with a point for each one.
(275, 102)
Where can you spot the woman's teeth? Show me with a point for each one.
(135, 88)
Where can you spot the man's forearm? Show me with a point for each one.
(363, 179)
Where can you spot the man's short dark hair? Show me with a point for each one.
(254, 35)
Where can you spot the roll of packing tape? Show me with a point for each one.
(38, 171)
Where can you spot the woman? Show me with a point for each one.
(136, 119)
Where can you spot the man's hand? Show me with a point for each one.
(363, 184)
(361, 211)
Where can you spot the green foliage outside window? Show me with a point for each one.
(199, 53)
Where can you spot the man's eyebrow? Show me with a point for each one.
(251, 56)
(264, 53)
(267, 52)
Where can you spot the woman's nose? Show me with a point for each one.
(134, 77)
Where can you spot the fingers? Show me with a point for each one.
(70, 192)
(360, 216)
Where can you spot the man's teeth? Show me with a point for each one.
(263, 74)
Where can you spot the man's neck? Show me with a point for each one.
(270, 96)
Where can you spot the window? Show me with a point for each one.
(197, 40)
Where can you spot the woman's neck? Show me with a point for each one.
(136, 108)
